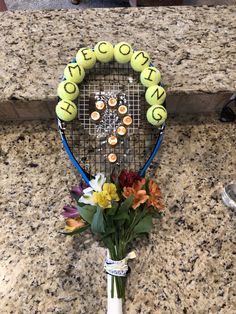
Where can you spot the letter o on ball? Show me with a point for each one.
(123, 52)
(68, 90)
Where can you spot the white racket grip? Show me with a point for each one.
(114, 305)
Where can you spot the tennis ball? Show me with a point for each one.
(123, 52)
(104, 51)
(66, 110)
(155, 95)
(140, 60)
(74, 72)
(150, 76)
(86, 58)
(68, 90)
(156, 115)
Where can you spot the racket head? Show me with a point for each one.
(86, 142)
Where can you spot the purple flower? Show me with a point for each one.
(70, 212)
(77, 190)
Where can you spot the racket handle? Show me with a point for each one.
(114, 305)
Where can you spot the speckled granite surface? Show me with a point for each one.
(194, 47)
(188, 266)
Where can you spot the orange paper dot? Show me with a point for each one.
(112, 157)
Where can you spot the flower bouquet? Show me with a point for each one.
(118, 209)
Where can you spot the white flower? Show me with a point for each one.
(87, 197)
(97, 183)
(88, 190)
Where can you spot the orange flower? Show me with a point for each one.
(155, 198)
(140, 196)
(73, 224)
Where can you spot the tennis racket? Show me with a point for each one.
(111, 131)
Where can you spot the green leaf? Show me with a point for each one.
(108, 232)
(76, 231)
(144, 225)
(87, 212)
(123, 211)
(75, 196)
(121, 216)
(81, 204)
(126, 204)
(98, 223)
(111, 211)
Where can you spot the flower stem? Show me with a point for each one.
(118, 252)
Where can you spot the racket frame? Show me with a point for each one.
(86, 177)
(83, 173)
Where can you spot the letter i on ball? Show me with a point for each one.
(123, 52)
(104, 51)
(86, 58)
(66, 110)
(74, 72)
(150, 76)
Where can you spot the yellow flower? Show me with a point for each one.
(108, 194)
(103, 199)
(110, 188)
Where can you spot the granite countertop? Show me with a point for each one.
(186, 267)
(194, 47)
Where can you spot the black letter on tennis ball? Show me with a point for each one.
(149, 76)
(99, 49)
(70, 67)
(157, 117)
(144, 57)
(85, 53)
(124, 45)
(157, 92)
(67, 109)
(68, 91)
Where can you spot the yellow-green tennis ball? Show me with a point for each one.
(104, 51)
(150, 76)
(66, 110)
(140, 60)
(156, 115)
(74, 72)
(123, 52)
(67, 90)
(155, 95)
(86, 58)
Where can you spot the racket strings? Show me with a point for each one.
(88, 140)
